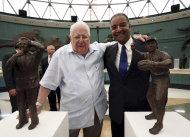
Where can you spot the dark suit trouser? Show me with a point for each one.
(93, 131)
(13, 100)
(117, 129)
(52, 99)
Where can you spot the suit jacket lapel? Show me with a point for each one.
(132, 62)
(114, 53)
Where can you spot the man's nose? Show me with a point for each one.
(118, 28)
(81, 39)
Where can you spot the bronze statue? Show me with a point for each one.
(32, 35)
(183, 61)
(26, 63)
(67, 39)
(54, 41)
(187, 40)
(109, 38)
(158, 63)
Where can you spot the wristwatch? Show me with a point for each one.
(38, 104)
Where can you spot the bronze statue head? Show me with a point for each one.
(23, 43)
(151, 44)
(151, 38)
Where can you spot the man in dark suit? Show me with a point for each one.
(44, 66)
(128, 84)
(10, 79)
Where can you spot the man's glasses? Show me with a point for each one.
(84, 37)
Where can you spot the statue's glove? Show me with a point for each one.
(145, 65)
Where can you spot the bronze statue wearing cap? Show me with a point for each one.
(158, 63)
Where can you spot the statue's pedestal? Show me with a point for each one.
(52, 124)
(175, 125)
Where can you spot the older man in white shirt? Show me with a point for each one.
(77, 68)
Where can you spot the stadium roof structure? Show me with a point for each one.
(90, 10)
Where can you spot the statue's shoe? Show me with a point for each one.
(150, 116)
(21, 124)
(156, 128)
(33, 124)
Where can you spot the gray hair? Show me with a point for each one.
(48, 47)
(81, 24)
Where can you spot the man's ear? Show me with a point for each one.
(90, 36)
(130, 26)
(70, 37)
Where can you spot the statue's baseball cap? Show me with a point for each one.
(151, 38)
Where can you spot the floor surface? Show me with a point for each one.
(179, 101)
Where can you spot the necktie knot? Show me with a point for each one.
(123, 47)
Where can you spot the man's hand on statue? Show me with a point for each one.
(12, 92)
(142, 38)
(39, 109)
(28, 112)
(19, 53)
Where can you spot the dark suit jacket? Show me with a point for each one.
(44, 65)
(8, 74)
(128, 94)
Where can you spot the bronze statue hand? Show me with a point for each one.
(145, 65)
(10, 63)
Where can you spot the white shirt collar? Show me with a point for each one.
(92, 47)
(127, 44)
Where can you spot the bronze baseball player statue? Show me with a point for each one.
(158, 63)
(26, 64)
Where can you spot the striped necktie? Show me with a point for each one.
(123, 63)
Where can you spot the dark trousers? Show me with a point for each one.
(117, 129)
(93, 131)
(13, 100)
(52, 99)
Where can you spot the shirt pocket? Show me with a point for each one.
(98, 68)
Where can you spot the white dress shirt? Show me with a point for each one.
(49, 59)
(81, 82)
(128, 51)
